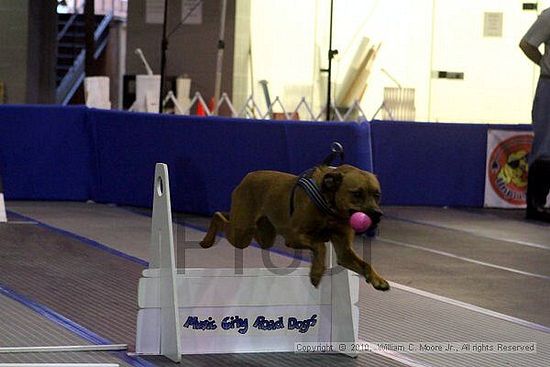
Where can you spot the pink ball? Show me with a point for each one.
(360, 222)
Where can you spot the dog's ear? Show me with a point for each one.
(331, 182)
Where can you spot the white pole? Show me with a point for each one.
(144, 61)
(59, 365)
(219, 65)
(65, 348)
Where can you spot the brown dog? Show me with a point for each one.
(261, 208)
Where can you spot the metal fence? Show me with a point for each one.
(276, 110)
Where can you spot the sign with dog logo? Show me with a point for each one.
(506, 170)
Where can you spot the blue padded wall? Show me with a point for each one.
(75, 153)
(207, 157)
(45, 152)
(430, 164)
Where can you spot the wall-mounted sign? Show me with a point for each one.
(492, 24)
(154, 11)
(191, 11)
(506, 172)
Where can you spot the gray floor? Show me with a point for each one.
(494, 251)
(20, 324)
(487, 268)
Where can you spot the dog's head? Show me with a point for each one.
(515, 169)
(352, 190)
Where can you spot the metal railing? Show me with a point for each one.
(119, 8)
(275, 110)
(75, 75)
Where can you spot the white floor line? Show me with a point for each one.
(485, 311)
(21, 222)
(473, 261)
(497, 238)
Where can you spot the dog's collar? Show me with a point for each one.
(313, 192)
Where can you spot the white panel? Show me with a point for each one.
(282, 43)
(147, 93)
(3, 217)
(239, 290)
(96, 92)
(148, 332)
(344, 305)
(498, 78)
(254, 339)
(229, 272)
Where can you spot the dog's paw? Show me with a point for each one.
(380, 284)
(206, 243)
(315, 280)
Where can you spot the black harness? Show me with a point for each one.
(313, 192)
(310, 187)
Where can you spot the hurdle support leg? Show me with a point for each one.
(163, 257)
(344, 297)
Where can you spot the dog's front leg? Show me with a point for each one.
(318, 250)
(348, 258)
(317, 263)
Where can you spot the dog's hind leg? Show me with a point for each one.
(265, 233)
(349, 259)
(239, 236)
(240, 231)
(217, 224)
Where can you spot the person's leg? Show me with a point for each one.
(538, 186)
(538, 183)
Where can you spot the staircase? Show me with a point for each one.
(71, 51)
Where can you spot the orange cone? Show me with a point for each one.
(200, 109)
(211, 105)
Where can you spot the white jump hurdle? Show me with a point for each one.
(197, 311)
(3, 217)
